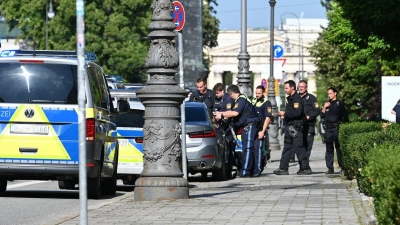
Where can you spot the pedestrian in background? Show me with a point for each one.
(293, 140)
(333, 113)
(396, 111)
(264, 114)
(244, 117)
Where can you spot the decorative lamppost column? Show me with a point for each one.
(161, 178)
(244, 57)
(273, 128)
(49, 15)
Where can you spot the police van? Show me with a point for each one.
(39, 118)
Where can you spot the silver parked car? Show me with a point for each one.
(205, 145)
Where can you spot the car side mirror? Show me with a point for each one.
(123, 106)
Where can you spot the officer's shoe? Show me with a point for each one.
(281, 172)
(330, 171)
(304, 172)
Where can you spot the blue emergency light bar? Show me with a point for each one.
(89, 56)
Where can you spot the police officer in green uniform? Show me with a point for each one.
(293, 140)
(333, 114)
(203, 94)
(311, 112)
(264, 115)
(244, 117)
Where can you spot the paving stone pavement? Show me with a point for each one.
(269, 199)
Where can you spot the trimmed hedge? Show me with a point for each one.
(345, 135)
(383, 171)
(360, 146)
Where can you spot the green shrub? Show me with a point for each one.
(383, 172)
(345, 135)
(360, 146)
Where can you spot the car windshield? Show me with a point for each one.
(134, 118)
(38, 83)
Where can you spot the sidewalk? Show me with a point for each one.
(269, 199)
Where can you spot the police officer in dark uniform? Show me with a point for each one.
(244, 117)
(264, 115)
(396, 111)
(293, 140)
(224, 103)
(311, 112)
(333, 113)
(203, 94)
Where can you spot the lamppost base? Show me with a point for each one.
(161, 188)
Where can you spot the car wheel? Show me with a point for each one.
(66, 184)
(94, 186)
(220, 174)
(3, 185)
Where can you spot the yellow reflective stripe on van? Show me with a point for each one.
(129, 153)
(48, 146)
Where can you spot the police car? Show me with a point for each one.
(130, 136)
(39, 119)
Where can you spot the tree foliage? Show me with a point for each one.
(114, 30)
(354, 68)
(210, 24)
(374, 17)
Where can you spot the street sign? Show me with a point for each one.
(278, 51)
(179, 15)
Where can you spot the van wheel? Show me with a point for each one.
(94, 186)
(109, 185)
(66, 184)
(3, 185)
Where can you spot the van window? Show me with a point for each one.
(38, 83)
(134, 118)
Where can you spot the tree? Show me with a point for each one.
(210, 29)
(354, 70)
(374, 17)
(114, 29)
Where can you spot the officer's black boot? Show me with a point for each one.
(281, 171)
(304, 168)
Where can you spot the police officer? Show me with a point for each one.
(311, 112)
(396, 111)
(244, 117)
(264, 115)
(203, 94)
(223, 103)
(293, 141)
(333, 113)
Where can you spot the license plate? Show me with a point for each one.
(123, 142)
(29, 129)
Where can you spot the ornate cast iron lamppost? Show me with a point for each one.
(244, 57)
(273, 128)
(162, 178)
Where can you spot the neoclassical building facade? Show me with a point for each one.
(296, 60)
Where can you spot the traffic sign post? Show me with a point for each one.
(179, 15)
(179, 19)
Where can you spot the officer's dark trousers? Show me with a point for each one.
(331, 138)
(258, 155)
(308, 139)
(248, 138)
(294, 144)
